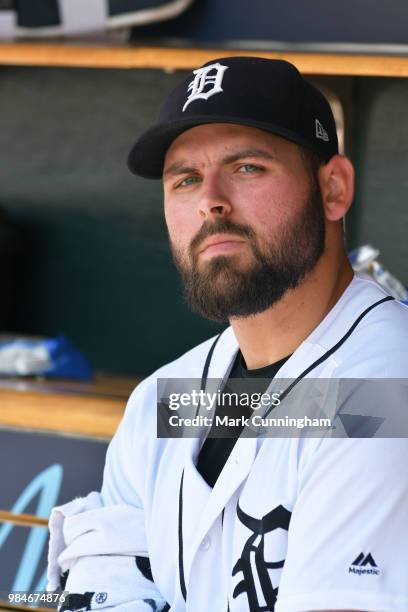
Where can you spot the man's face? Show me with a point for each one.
(244, 216)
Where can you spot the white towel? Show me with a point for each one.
(98, 546)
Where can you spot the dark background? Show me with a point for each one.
(93, 260)
(291, 21)
(83, 244)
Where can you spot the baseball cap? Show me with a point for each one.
(267, 94)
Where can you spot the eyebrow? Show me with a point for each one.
(182, 167)
(259, 153)
(179, 167)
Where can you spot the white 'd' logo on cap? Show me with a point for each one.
(202, 79)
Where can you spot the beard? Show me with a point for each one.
(223, 288)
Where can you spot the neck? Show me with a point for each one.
(277, 332)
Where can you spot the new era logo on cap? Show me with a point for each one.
(321, 132)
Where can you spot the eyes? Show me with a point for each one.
(243, 169)
(248, 169)
(190, 180)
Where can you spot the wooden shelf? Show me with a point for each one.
(86, 409)
(69, 55)
(87, 416)
(22, 520)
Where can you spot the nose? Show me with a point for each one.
(214, 201)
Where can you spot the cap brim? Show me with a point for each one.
(146, 157)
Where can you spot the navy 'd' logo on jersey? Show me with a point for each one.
(253, 558)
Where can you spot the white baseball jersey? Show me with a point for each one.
(291, 525)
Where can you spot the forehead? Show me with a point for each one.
(219, 138)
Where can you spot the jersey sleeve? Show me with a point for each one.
(348, 534)
(99, 542)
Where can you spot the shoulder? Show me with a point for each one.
(188, 365)
(377, 342)
(379, 347)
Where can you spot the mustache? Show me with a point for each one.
(223, 226)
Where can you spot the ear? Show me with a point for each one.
(336, 180)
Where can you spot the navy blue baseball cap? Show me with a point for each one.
(267, 94)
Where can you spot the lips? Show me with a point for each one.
(223, 241)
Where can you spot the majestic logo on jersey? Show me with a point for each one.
(359, 565)
(207, 82)
(253, 559)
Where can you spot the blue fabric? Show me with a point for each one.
(64, 360)
(67, 361)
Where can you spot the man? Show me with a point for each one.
(254, 196)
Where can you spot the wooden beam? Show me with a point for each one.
(68, 55)
(58, 412)
(23, 520)
(101, 385)
(91, 408)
